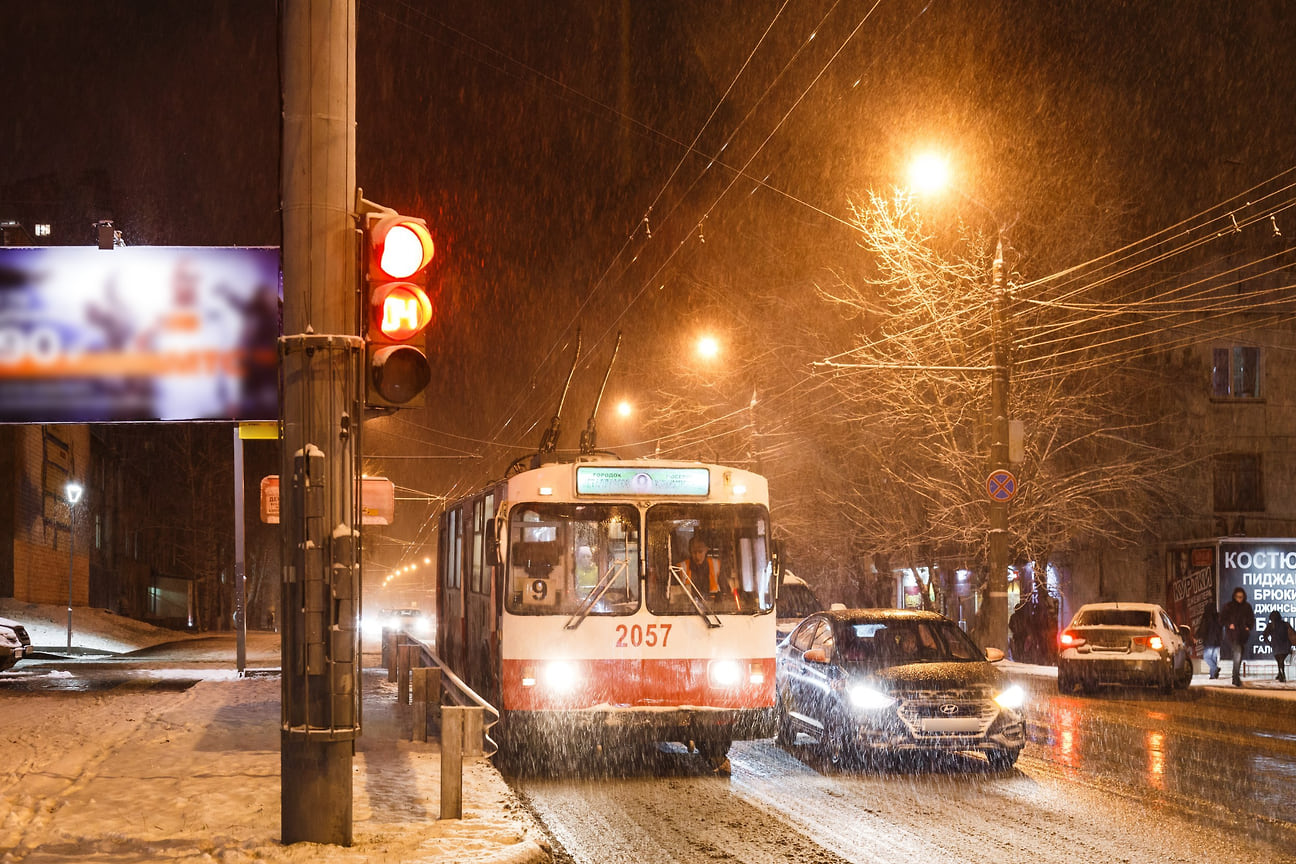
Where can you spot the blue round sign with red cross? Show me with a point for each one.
(1001, 485)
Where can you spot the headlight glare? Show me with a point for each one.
(724, 673)
(1013, 698)
(561, 676)
(863, 696)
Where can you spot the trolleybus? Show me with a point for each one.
(565, 594)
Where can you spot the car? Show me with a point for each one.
(795, 602)
(15, 644)
(868, 683)
(411, 621)
(1123, 643)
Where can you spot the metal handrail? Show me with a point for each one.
(461, 692)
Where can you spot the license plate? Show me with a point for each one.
(951, 724)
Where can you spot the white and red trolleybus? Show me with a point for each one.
(565, 596)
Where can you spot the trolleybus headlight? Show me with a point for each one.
(1014, 697)
(869, 699)
(560, 675)
(724, 673)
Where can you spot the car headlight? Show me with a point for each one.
(560, 676)
(863, 696)
(1012, 698)
(422, 625)
(724, 673)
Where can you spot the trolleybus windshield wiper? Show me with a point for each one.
(694, 595)
(615, 569)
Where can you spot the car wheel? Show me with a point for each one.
(1185, 677)
(1002, 760)
(1065, 681)
(786, 733)
(837, 745)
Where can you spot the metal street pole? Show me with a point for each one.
(996, 608)
(72, 491)
(322, 402)
(71, 563)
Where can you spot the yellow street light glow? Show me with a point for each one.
(708, 346)
(624, 408)
(929, 172)
(427, 560)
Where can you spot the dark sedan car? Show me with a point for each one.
(889, 681)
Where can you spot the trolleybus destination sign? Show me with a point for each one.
(607, 480)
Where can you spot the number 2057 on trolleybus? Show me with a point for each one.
(604, 602)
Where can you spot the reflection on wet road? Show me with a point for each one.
(1185, 748)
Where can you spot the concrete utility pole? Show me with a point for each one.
(321, 406)
(996, 608)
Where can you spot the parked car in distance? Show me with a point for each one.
(15, 644)
(890, 682)
(1123, 643)
(795, 601)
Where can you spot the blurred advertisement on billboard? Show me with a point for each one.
(138, 333)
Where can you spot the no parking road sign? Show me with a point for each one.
(1001, 485)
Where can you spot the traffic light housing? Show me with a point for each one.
(398, 251)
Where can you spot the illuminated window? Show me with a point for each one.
(42, 229)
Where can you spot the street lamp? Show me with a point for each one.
(73, 492)
(930, 173)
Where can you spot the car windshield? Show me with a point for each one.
(1113, 618)
(890, 643)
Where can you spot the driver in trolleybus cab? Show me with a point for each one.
(704, 571)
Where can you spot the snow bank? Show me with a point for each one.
(95, 629)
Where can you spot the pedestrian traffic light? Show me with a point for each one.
(398, 251)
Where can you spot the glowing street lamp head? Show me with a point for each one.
(708, 347)
(73, 492)
(929, 173)
(624, 408)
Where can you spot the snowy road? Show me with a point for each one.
(1118, 778)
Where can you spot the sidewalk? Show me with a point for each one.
(193, 776)
(1259, 691)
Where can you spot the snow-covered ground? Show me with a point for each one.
(133, 774)
(92, 629)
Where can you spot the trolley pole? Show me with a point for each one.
(996, 608)
(320, 358)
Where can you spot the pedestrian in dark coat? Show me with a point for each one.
(1276, 635)
(1211, 635)
(1238, 619)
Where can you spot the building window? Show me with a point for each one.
(1238, 485)
(42, 229)
(1236, 373)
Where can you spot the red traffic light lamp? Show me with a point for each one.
(398, 250)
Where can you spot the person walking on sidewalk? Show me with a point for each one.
(1238, 620)
(1276, 634)
(1211, 636)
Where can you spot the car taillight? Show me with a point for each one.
(1070, 639)
(1153, 642)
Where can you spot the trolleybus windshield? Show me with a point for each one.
(570, 558)
(711, 559)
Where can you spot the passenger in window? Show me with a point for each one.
(587, 574)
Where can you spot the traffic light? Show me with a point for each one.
(398, 251)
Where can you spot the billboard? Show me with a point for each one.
(139, 333)
(1209, 571)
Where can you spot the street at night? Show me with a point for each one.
(597, 431)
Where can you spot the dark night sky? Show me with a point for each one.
(534, 137)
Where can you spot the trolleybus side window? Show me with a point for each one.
(478, 544)
(573, 558)
(735, 574)
(454, 539)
